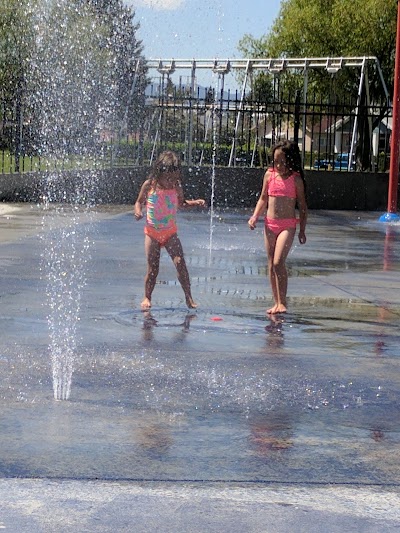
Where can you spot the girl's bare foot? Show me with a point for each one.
(190, 303)
(146, 304)
(277, 308)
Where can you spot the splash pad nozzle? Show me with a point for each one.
(389, 217)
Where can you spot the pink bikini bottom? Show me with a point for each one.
(277, 225)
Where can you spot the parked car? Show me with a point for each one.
(342, 162)
(326, 164)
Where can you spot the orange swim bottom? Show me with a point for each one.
(162, 236)
(277, 225)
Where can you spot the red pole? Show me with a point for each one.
(395, 141)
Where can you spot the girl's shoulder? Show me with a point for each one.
(147, 186)
(299, 181)
(151, 183)
(297, 176)
(269, 172)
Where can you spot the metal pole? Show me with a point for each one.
(241, 106)
(18, 126)
(395, 142)
(305, 91)
(124, 125)
(355, 126)
(190, 135)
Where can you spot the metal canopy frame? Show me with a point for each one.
(274, 66)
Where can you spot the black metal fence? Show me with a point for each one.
(225, 128)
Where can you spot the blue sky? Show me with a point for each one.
(205, 29)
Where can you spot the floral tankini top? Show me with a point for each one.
(162, 206)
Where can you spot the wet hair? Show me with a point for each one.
(292, 156)
(167, 161)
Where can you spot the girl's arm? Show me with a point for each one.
(187, 203)
(199, 201)
(303, 210)
(262, 203)
(141, 199)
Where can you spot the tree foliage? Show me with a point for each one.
(129, 76)
(331, 28)
(72, 66)
(335, 28)
(16, 46)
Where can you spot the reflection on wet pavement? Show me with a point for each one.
(222, 392)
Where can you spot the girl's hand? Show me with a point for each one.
(252, 222)
(302, 237)
(138, 215)
(192, 203)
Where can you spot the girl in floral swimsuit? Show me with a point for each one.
(283, 188)
(162, 193)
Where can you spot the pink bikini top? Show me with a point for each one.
(282, 187)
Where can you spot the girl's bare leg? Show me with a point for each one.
(270, 242)
(153, 250)
(175, 251)
(279, 276)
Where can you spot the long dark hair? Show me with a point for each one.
(292, 156)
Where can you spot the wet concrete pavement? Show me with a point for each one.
(181, 422)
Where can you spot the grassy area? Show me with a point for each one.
(47, 164)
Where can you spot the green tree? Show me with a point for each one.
(129, 65)
(70, 81)
(16, 47)
(16, 43)
(68, 69)
(334, 28)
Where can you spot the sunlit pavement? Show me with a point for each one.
(217, 419)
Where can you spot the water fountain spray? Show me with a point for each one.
(74, 98)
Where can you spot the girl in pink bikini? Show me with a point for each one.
(283, 188)
(162, 193)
